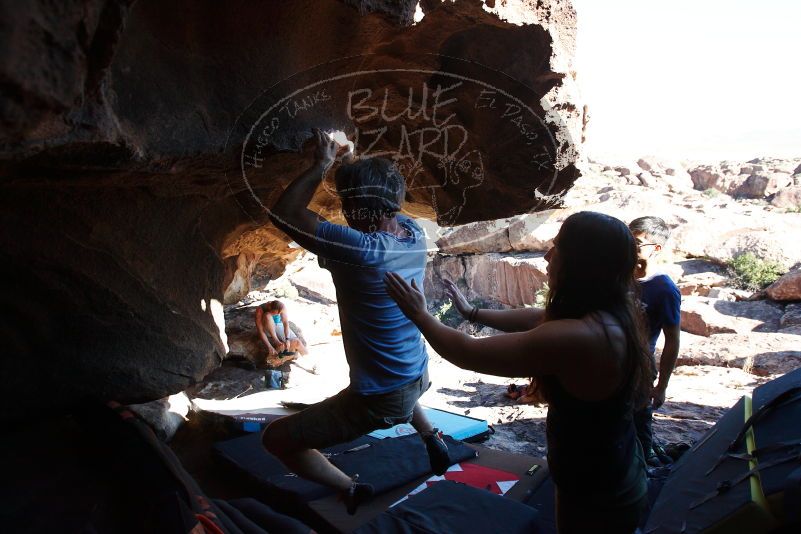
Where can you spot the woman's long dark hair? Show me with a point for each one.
(595, 272)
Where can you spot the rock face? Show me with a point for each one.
(788, 287)
(705, 317)
(508, 280)
(755, 353)
(533, 232)
(759, 178)
(165, 416)
(792, 316)
(789, 198)
(131, 183)
(722, 235)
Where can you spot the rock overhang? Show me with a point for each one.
(127, 197)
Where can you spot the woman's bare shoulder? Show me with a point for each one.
(607, 330)
(570, 336)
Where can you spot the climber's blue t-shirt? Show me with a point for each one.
(662, 301)
(384, 349)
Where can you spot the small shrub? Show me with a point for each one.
(447, 314)
(752, 272)
(541, 296)
(711, 192)
(796, 209)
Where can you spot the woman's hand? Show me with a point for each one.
(410, 299)
(270, 350)
(458, 299)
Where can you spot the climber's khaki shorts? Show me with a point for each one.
(348, 415)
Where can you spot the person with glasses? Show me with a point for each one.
(661, 300)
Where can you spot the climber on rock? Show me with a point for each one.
(385, 351)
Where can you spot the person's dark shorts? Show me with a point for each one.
(348, 415)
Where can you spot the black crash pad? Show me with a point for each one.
(386, 464)
(248, 456)
(448, 507)
(531, 472)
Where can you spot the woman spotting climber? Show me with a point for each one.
(272, 324)
(587, 349)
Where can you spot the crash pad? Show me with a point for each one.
(458, 426)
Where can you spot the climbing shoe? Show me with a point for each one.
(652, 459)
(663, 456)
(357, 494)
(437, 452)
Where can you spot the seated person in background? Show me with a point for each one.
(530, 393)
(662, 302)
(385, 351)
(272, 324)
(587, 349)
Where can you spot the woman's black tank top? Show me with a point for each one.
(592, 444)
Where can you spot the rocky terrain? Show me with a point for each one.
(732, 340)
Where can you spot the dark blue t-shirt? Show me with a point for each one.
(661, 299)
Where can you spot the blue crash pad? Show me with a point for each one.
(459, 427)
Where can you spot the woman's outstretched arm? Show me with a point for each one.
(519, 320)
(545, 350)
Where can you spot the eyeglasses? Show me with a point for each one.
(640, 245)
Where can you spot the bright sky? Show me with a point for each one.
(691, 79)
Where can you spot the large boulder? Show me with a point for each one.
(752, 168)
(722, 235)
(761, 185)
(704, 317)
(709, 177)
(753, 179)
(694, 267)
(535, 232)
(141, 142)
(754, 352)
(532, 232)
(788, 287)
(662, 173)
(749, 181)
(701, 283)
(476, 238)
(509, 280)
(792, 316)
(623, 170)
(789, 198)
